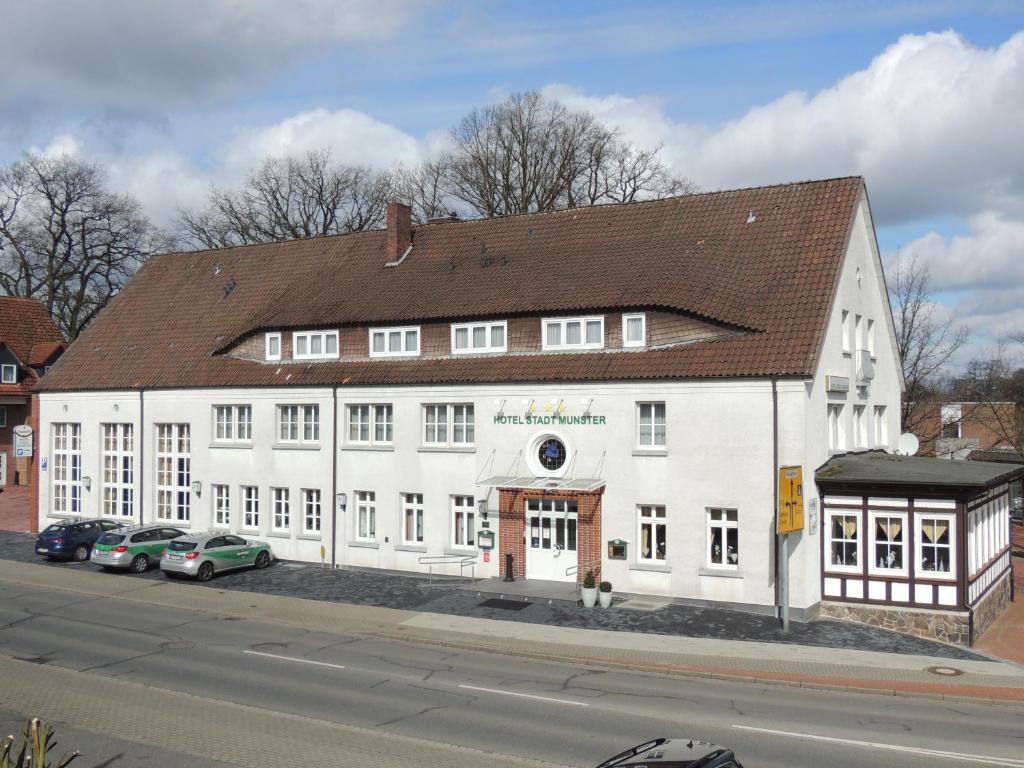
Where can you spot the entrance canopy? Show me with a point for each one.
(584, 484)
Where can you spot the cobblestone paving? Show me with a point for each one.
(405, 592)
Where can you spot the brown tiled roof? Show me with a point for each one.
(41, 353)
(697, 255)
(25, 325)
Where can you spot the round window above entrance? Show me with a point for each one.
(548, 455)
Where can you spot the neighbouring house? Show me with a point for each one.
(29, 344)
(951, 430)
(609, 388)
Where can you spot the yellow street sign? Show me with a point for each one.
(791, 499)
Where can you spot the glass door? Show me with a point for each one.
(552, 531)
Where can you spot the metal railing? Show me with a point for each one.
(574, 570)
(463, 561)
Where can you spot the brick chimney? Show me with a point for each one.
(399, 231)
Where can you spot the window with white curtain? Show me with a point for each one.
(634, 330)
(366, 516)
(573, 333)
(469, 338)
(723, 536)
(652, 530)
(281, 518)
(449, 424)
(395, 342)
(412, 518)
(371, 423)
(651, 425)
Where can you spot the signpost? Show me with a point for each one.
(22, 441)
(790, 518)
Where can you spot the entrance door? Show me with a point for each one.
(551, 529)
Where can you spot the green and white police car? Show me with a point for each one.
(135, 548)
(201, 555)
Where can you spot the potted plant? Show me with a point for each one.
(606, 594)
(589, 590)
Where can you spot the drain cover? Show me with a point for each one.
(505, 605)
(946, 671)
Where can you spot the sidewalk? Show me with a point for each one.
(1005, 638)
(15, 506)
(761, 662)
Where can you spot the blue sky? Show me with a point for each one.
(925, 98)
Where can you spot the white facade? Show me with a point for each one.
(718, 455)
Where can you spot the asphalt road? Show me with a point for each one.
(556, 713)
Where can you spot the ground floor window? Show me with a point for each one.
(67, 468)
(311, 510)
(463, 521)
(723, 538)
(844, 540)
(173, 472)
(935, 540)
(250, 506)
(366, 515)
(221, 506)
(282, 512)
(412, 518)
(653, 532)
(118, 470)
(888, 543)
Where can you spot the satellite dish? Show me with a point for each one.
(907, 445)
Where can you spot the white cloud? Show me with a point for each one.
(933, 123)
(132, 57)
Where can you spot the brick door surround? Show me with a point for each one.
(512, 527)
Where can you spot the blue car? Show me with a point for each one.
(72, 539)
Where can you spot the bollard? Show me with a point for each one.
(508, 568)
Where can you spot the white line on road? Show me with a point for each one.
(293, 658)
(525, 695)
(988, 759)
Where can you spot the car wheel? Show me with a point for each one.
(262, 559)
(140, 564)
(81, 553)
(205, 572)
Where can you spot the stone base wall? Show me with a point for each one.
(995, 601)
(947, 626)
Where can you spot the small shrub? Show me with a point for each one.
(589, 582)
(37, 741)
(606, 586)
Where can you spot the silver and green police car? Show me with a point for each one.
(201, 555)
(135, 548)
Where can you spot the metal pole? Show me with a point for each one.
(784, 581)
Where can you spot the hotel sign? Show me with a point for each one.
(555, 418)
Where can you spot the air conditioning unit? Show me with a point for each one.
(865, 367)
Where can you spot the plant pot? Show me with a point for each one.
(605, 598)
(589, 597)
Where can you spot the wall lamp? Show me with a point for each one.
(342, 500)
(87, 483)
(197, 487)
(481, 505)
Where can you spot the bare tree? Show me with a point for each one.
(424, 188)
(925, 341)
(994, 385)
(290, 198)
(66, 240)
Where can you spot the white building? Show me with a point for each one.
(607, 389)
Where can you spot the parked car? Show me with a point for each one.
(201, 555)
(72, 539)
(674, 753)
(136, 548)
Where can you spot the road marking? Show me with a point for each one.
(988, 759)
(293, 658)
(525, 696)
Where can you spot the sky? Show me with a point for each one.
(923, 98)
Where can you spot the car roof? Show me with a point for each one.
(667, 752)
(200, 536)
(144, 527)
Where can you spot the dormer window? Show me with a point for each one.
(574, 333)
(395, 342)
(314, 345)
(470, 338)
(8, 374)
(273, 346)
(634, 330)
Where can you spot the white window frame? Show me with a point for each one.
(8, 374)
(873, 567)
(117, 480)
(281, 511)
(653, 445)
(174, 498)
(232, 424)
(847, 332)
(220, 497)
(655, 516)
(250, 508)
(308, 337)
(919, 519)
(642, 316)
(412, 514)
(836, 427)
(463, 522)
(880, 426)
(272, 337)
(452, 424)
(312, 518)
(859, 540)
(952, 415)
(376, 420)
(562, 323)
(726, 525)
(488, 329)
(401, 329)
(860, 431)
(871, 338)
(858, 332)
(298, 424)
(67, 468)
(365, 518)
